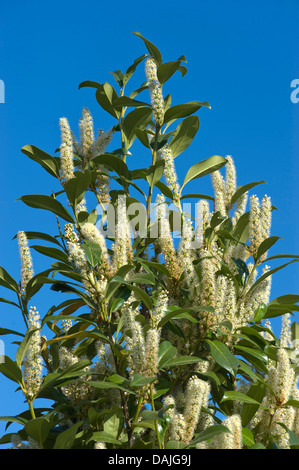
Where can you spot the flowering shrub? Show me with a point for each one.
(164, 340)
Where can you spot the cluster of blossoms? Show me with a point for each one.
(33, 364)
(74, 153)
(197, 262)
(185, 410)
(282, 386)
(26, 261)
(143, 348)
(155, 90)
(169, 173)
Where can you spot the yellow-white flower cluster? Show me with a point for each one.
(155, 90)
(32, 364)
(183, 423)
(26, 261)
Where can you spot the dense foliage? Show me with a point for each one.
(163, 338)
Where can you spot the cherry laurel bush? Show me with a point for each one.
(163, 336)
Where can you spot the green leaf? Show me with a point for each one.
(184, 135)
(166, 353)
(247, 437)
(265, 246)
(154, 172)
(51, 252)
(38, 429)
(6, 331)
(182, 110)
(209, 433)
(166, 70)
(267, 274)
(44, 159)
(252, 352)
(222, 355)
(119, 77)
(137, 119)
(105, 96)
(113, 163)
(143, 278)
(142, 135)
(41, 201)
(293, 438)
(204, 168)
(238, 396)
(10, 369)
(257, 392)
(113, 425)
(181, 361)
(66, 439)
(260, 312)
(104, 385)
(92, 252)
(76, 187)
(197, 196)
(124, 101)
(22, 349)
(140, 381)
(40, 236)
(7, 281)
(152, 49)
(242, 269)
(6, 301)
(132, 68)
(102, 436)
(243, 189)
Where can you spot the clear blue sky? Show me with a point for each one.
(241, 58)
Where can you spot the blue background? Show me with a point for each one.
(241, 58)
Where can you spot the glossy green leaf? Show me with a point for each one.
(137, 119)
(66, 439)
(238, 396)
(247, 437)
(260, 312)
(40, 236)
(9, 368)
(242, 190)
(204, 167)
(92, 252)
(222, 356)
(41, 201)
(38, 429)
(209, 433)
(113, 163)
(7, 281)
(76, 187)
(22, 349)
(265, 246)
(51, 252)
(166, 70)
(180, 361)
(49, 163)
(124, 101)
(105, 96)
(166, 353)
(152, 49)
(185, 133)
(183, 110)
(132, 68)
